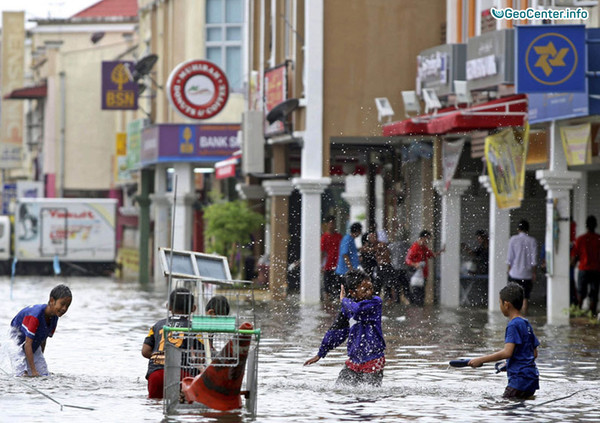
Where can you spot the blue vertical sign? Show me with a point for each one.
(550, 58)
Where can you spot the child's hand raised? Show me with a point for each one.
(342, 292)
(312, 360)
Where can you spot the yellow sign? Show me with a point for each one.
(505, 154)
(577, 143)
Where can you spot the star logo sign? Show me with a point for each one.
(549, 57)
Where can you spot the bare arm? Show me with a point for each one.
(503, 354)
(28, 348)
(146, 350)
(347, 261)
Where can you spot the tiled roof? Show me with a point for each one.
(110, 9)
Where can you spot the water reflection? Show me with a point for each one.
(95, 362)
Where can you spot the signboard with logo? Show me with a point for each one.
(119, 90)
(30, 189)
(438, 67)
(198, 89)
(550, 58)
(491, 60)
(189, 143)
(275, 93)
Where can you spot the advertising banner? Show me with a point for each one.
(577, 143)
(12, 71)
(505, 154)
(121, 173)
(30, 189)
(119, 90)
(451, 151)
(134, 136)
(275, 93)
(550, 58)
(9, 197)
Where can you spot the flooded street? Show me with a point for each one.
(95, 361)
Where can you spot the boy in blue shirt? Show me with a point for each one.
(520, 347)
(359, 321)
(32, 326)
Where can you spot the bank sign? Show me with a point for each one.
(119, 91)
(189, 143)
(550, 58)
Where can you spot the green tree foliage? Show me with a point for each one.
(229, 225)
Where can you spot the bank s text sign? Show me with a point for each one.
(119, 90)
(198, 89)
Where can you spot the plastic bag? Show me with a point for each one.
(417, 280)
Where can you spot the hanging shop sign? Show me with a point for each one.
(505, 154)
(275, 93)
(552, 106)
(119, 90)
(490, 60)
(189, 143)
(451, 151)
(198, 89)
(550, 58)
(577, 143)
(438, 68)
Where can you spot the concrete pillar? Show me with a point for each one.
(311, 183)
(499, 231)
(310, 251)
(161, 204)
(143, 201)
(186, 195)
(557, 181)
(450, 259)
(355, 194)
(580, 209)
(279, 191)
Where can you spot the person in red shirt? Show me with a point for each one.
(587, 251)
(417, 257)
(330, 248)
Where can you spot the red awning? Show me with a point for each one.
(28, 93)
(504, 112)
(226, 168)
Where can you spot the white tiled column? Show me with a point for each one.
(355, 194)
(498, 246)
(558, 182)
(450, 259)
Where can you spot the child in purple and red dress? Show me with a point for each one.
(32, 326)
(359, 321)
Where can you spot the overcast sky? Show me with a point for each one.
(45, 8)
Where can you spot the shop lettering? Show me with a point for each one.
(57, 214)
(213, 142)
(115, 98)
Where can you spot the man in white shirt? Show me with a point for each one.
(522, 261)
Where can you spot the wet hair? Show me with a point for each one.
(523, 226)
(481, 233)
(354, 278)
(60, 291)
(513, 293)
(425, 234)
(356, 228)
(219, 304)
(330, 218)
(181, 301)
(591, 223)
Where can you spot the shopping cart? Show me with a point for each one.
(211, 360)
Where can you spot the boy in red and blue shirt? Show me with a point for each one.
(359, 321)
(32, 326)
